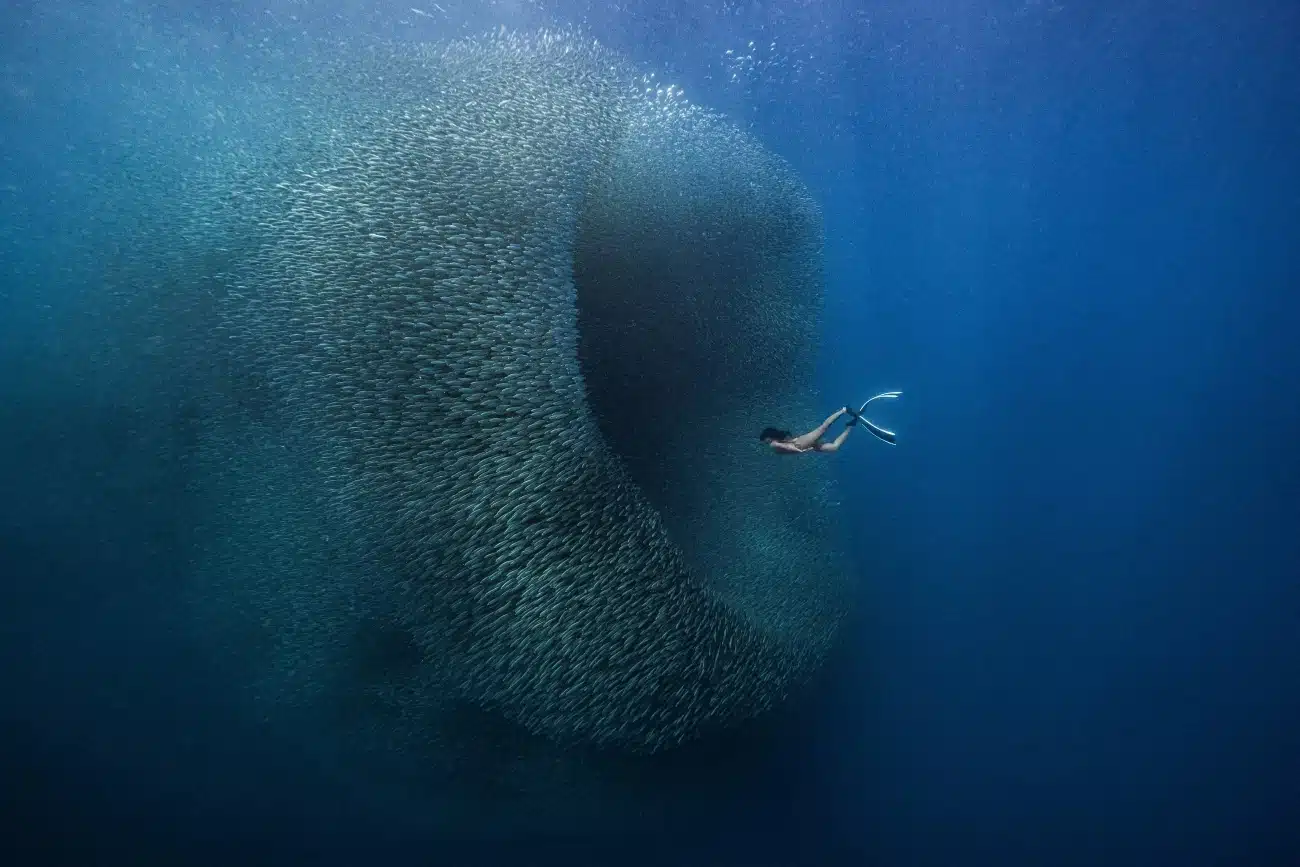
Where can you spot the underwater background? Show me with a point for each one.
(1066, 231)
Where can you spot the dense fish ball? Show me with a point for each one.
(515, 323)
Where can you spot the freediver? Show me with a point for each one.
(783, 442)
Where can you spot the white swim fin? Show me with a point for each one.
(876, 430)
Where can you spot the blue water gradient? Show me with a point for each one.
(1067, 231)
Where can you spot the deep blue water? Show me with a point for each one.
(1068, 231)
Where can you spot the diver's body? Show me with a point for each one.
(782, 442)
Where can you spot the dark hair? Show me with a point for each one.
(775, 433)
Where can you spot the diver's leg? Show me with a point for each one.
(835, 444)
(808, 440)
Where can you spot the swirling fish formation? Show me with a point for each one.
(515, 316)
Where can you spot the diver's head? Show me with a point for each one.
(774, 434)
